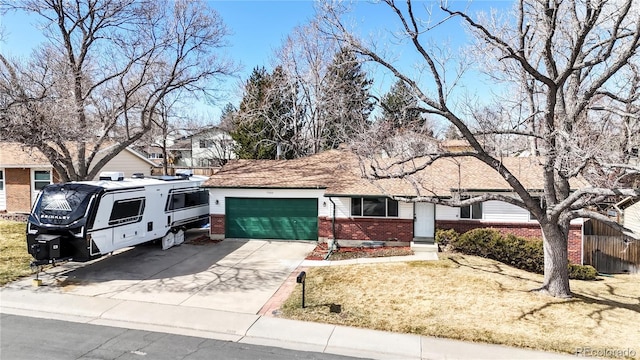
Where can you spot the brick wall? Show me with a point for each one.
(528, 230)
(367, 229)
(216, 226)
(18, 190)
(575, 244)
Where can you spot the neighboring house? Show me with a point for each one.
(630, 214)
(211, 148)
(610, 250)
(129, 162)
(181, 153)
(25, 171)
(324, 196)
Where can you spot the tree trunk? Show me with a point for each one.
(556, 270)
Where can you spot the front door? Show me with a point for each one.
(424, 223)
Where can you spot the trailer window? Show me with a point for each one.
(63, 204)
(185, 200)
(126, 211)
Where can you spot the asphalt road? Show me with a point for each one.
(33, 338)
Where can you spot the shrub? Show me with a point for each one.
(518, 252)
(444, 237)
(582, 272)
(480, 242)
(521, 253)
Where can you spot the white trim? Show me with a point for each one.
(135, 153)
(3, 190)
(34, 192)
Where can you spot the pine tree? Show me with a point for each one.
(400, 107)
(266, 118)
(346, 102)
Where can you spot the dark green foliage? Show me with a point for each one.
(346, 101)
(525, 254)
(400, 107)
(518, 252)
(445, 237)
(582, 272)
(266, 117)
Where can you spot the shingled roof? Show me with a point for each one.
(13, 154)
(339, 172)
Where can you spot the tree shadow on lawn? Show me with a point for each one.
(493, 269)
(577, 297)
(596, 315)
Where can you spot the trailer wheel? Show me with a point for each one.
(168, 240)
(179, 237)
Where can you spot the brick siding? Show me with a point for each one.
(216, 223)
(401, 230)
(529, 230)
(367, 229)
(18, 189)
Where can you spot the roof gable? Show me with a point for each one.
(13, 154)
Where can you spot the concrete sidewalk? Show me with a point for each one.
(250, 329)
(160, 296)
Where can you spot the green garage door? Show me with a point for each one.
(287, 219)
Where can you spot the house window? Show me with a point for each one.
(541, 202)
(206, 143)
(1, 180)
(382, 207)
(471, 211)
(41, 178)
(126, 211)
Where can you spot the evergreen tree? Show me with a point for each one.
(226, 117)
(346, 101)
(266, 118)
(400, 107)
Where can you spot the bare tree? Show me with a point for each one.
(305, 56)
(103, 74)
(267, 125)
(563, 54)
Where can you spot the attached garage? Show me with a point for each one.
(269, 218)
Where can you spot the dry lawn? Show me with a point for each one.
(14, 258)
(473, 299)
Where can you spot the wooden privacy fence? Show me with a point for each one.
(206, 171)
(612, 254)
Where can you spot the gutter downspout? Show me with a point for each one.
(334, 245)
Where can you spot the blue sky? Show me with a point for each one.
(258, 28)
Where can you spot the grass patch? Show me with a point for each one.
(473, 299)
(14, 258)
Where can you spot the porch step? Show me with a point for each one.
(424, 240)
(423, 247)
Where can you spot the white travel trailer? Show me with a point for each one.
(84, 220)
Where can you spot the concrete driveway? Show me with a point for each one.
(232, 275)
